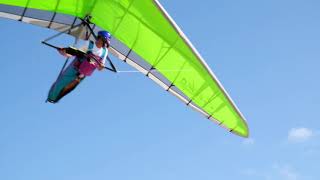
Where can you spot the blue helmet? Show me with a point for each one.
(105, 35)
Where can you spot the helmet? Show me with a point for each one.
(106, 36)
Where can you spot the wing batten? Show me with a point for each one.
(24, 10)
(54, 14)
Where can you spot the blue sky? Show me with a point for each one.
(123, 126)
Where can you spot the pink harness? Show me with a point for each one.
(89, 65)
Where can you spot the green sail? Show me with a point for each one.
(146, 29)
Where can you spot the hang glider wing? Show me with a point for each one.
(145, 37)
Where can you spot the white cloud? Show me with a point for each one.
(254, 173)
(288, 173)
(274, 172)
(249, 172)
(300, 134)
(249, 141)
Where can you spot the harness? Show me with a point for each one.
(85, 67)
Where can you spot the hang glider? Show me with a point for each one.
(145, 37)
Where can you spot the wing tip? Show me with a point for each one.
(245, 133)
(237, 130)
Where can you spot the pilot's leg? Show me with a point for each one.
(70, 87)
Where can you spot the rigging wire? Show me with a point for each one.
(159, 70)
